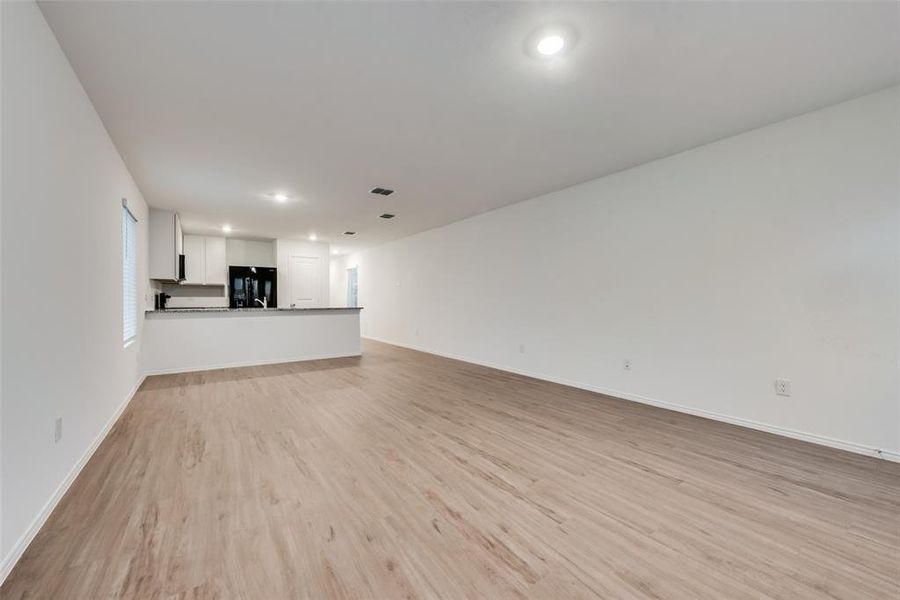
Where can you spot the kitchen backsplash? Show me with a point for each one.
(189, 296)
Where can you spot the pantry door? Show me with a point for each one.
(305, 274)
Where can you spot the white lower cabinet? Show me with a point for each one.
(204, 260)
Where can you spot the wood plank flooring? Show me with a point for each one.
(405, 475)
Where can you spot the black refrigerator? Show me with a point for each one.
(249, 286)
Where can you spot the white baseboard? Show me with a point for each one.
(249, 363)
(750, 424)
(15, 553)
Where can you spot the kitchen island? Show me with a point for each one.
(178, 340)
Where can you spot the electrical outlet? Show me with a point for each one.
(626, 364)
(783, 387)
(521, 348)
(57, 430)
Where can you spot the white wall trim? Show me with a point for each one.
(15, 553)
(750, 424)
(249, 363)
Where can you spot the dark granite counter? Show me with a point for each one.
(246, 311)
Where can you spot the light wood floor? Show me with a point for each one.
(404, 475)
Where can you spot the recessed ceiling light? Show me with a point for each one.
(550, 45)
(387, 216)
(349, 233)
(281, 197)
(226, 228)
(312, 237)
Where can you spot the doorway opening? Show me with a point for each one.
(352, 289)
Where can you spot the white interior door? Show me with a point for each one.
(304, 281)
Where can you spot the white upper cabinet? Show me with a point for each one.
(166, 245)
(194, 260)
(179, 236)
(216, 269)
(204, 260)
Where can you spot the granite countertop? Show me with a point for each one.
(200, 309)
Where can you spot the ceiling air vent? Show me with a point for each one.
(387, 216)
(349, 233)
(382, 191)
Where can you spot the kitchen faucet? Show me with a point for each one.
(264, 302)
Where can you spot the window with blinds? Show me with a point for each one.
(129, 276)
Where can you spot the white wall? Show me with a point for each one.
(4, 566)
(63, 184)
(284, 250)
(770, 254)
(337, 279)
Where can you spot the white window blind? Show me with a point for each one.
(129, 276)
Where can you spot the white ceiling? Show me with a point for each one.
(214, 105)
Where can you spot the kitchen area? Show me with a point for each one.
(222, 301)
